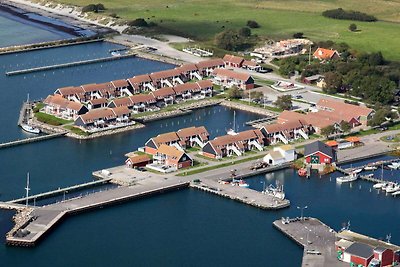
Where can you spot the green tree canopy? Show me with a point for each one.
(284, 102)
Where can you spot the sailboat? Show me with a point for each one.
(382, 184)
(233, 130)
(28, 128)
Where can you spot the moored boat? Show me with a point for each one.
(243, 184)
(370, 168)
(302, 172)
(348, 178)
(379, 185)
(396, 193)
(30, 129)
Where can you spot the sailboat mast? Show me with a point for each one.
(27, 189)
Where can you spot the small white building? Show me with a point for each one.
(280, 155)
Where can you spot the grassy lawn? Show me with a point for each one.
(76, 130)
(50, 119)
(278, 19)
(263, 82)
(229, 163)
(38, 107)
(274, 109)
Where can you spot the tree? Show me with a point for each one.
(328, 130)
(284, 102)
(353, 27)
(333, 82)
(139, 22)
(298, 35)
(256, 95)
(345, 126)
(245, 32)
(230, 40)
(253, 24)
(380, 117)
(234, 93)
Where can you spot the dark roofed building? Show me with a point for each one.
(319, 153)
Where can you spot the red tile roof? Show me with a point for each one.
(344, 109)
(98, 113)
(163, 92)
(142, 98)
(164, 74)
(59, 101)
(322, 53)
(123, 101)
(140, 79)
(233, 59)
(205, 84)
(98, 101)
(193, 131)
(120, 111)
(187, 68)
(70, 90)
(101, 87)
(120, 83)
(231, 74)
(186, 87)
(211, 63)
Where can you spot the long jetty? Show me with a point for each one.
(42, 219)
(61, 190)
(67, 65)
(260, 121)
(31, 140)
(46, 45)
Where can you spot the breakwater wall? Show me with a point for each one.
(70, 64)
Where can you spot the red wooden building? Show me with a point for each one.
(319, 153)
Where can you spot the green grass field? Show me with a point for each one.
(202, 19)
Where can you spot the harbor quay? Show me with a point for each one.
(317, 239)
(324, 246)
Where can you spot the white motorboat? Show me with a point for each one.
(357, 171)
(115, 54)
(393, 188)
(370, 168)
(394, 165)
(346, 179)
(396, 193)
(30, 129)
(379, 185)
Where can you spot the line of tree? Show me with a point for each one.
(340, 13)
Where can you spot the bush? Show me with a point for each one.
(252, 24)
(340, 13)
(93, 8)
(353, 27)
(245, 32)
(114, 15)
(298, 35)
(140, 22)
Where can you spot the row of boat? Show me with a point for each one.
(389, 187)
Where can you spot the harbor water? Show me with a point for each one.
(182, 228)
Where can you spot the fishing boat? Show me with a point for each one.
(302, 172)
(370, 168)
(348, 178)
(243, 184)
(28, 128)
(275, 191)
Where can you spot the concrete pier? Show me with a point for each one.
(317, 239)
(243, 195)
(70, 64)
(42, 219)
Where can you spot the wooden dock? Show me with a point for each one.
(317, 239)
(61, 191)
(67, 65)
(261, 121)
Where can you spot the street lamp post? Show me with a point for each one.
(302, 210)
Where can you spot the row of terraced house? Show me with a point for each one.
(292, 125)
(89, 105)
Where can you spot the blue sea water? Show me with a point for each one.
(183, 228)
